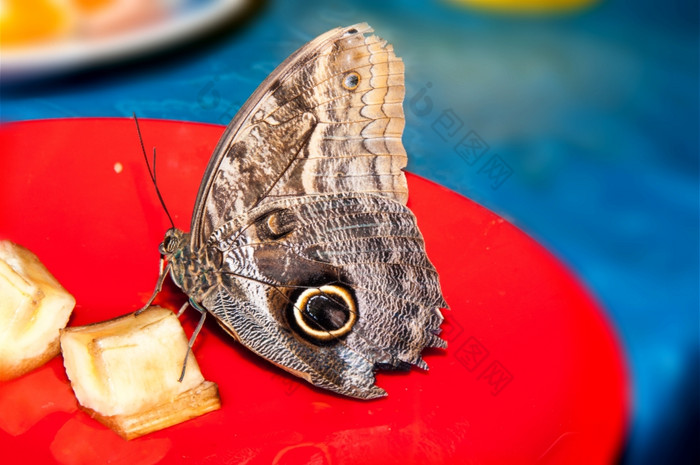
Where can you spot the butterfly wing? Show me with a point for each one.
(365, 244)
(328, 120)
(321, 268)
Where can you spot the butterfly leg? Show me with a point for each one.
(203, 312)
(182, 309)
(159, 285)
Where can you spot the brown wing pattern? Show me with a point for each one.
(367, 243)
(328, 120)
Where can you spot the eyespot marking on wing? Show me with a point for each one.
(325, 313)
(351, 80)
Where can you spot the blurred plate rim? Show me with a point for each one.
(74, 53)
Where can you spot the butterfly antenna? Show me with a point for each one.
(160, 197)
(152, 171)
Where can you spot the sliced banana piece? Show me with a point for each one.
(125, 372)
(33, 308)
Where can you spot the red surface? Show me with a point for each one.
(533, 373)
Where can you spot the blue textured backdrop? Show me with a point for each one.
(582, 129)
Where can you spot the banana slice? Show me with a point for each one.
(125, 373)
(33, 307)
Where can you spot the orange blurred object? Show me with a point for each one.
(26, 22)
(91, 5)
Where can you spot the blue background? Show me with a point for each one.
(593, 117)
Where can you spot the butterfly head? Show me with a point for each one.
(173, 241)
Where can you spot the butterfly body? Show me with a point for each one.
(302, 246)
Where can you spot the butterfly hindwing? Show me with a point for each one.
(367, 244)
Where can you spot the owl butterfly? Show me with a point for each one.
(301, 245)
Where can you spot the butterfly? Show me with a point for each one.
(301, 244)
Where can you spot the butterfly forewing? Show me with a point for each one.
(327, 120)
